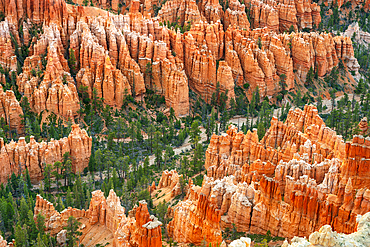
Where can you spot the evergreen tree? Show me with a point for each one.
(40, 223)
(57, 172)
(60, 206)
(28, 179)
(260, 130)
(194, 133)
(78, 193)
(72, 231)
(48, 169)
(69, 199)
(157, 149)
(20, 236)
(72, 62)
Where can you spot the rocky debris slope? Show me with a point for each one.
(299, 177)
(17, 156)
(142, 230)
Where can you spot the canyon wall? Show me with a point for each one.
(299, 177)
(17, 156)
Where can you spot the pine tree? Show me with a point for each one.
(60, 206)
(40, 223)
(47, 176)
(72, 231)
(115, 179)
(57, 172)
(69, 199)
(21, 236)
(39, 241)
(72, 62)
(31, 226)
(157, 149)
(78, 193)
(260, 130)
(194, 133)
(28, 179)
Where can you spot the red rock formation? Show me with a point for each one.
(281, 15)
(236, 15)
(55, 221)
(170, 180)
(39, 11)
(211, 9)
(8, 60)
(363, 126)
(264, 15)
(181, 12)
(299, 177)
(195, 219)
(125, 54)
(56, 90)
(3, 242)
(16, 156)
(11, 110)
(143, 230)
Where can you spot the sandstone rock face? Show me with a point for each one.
(8, 60)
(17, 156)
(196, 219)
(39, 11)
(55, 221)
(281, 15)
(236, 15)
(187, 11)
(11, 110)
(298, 178)
(363, 126)
(120, 55)
(56, 91)
(142, 230)
(171, 180)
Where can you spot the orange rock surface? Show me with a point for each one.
(363, 126)
(142, 230)
(281, 15)
(299, 177)
(11, 110)
(121, 55)
(17, 156)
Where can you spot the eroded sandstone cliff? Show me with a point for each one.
(17, 156)
(120, 55)
(299, 177)
(142, 230)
